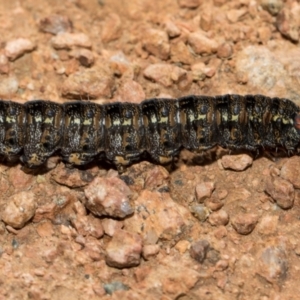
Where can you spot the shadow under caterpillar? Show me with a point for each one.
(122, 132)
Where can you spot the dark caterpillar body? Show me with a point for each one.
(160, 127)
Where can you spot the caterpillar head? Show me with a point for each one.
(297, 121)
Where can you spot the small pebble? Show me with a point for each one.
(79, 208)
(152, 209)
(18, 47)
(218, 218)
(220, 232)
(202, 44)
(55, 24)
(124, 250)
(204, 190)
(224, 50)
(288, 24)
(88, 83)
(112, 28)
(72, 178)
(234, 15)
(114, 286)
(241, 77)
(171, 29)
(80, 240)
(8, 86)
(244, 223)
(199, 249)
(110, 226)
(12, 230)
(88, 226)
(213, 256)
(273, 264)
(66, 40)
(45, 229)
(119, 63)
(200, 211)
(221, 194)
(212, 67)
(236, 162)
(180, 53)
(150, 251)
(156, 42)
(214, 204)
(164, 74)
(272, 6)
(52, 210)
(108, 197)
(39, 272)
(84, 56)
(282, 191)
(182, 246)
(93, 247)
(222, 265)
(265, 34)
(199, 71)
(131, 91)
(98, 290)
(268, 225)
(19, 209)
(156, 177)
(290, 171)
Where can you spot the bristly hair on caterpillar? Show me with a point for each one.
(122, 132)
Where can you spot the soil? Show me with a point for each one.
(218, 226)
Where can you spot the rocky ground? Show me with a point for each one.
(225, 229)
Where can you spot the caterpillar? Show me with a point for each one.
(122, 132)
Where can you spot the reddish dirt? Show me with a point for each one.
(227, 228)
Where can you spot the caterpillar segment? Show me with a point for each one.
(83, 132)
(42, 125)
(124, 134)
(12, 127)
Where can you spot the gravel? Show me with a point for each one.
(211, 226)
